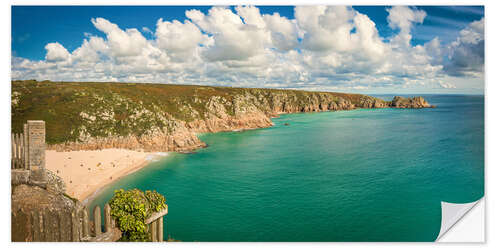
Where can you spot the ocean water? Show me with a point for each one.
(361, 175)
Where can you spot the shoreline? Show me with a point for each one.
(87, 172)
(89, 198)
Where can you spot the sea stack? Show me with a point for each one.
(411, 102)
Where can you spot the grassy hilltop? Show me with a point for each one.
(74, 111)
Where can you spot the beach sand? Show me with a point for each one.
(86, 172)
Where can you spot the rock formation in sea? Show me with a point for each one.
(413, 102)
(160, 117)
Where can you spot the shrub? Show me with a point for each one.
(131, 208)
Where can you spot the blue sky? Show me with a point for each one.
(317, 51)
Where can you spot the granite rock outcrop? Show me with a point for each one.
(412, 102)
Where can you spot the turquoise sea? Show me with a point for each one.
(361, 175)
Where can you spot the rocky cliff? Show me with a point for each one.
(160, 117)
(414, 102)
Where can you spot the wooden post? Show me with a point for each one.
(26, 150)
(46, 226)
(59, 234)
(21, 153)
(18, 148)
(107, 217)
(75, 226)
(155, 225)
(35, 225)
(13, 154)
(154, 234)
(97, 220)
(160, 229)
(85, 223)
(56, 217)
(15, 151)
(41, 219)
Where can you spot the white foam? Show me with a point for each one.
(154, 157)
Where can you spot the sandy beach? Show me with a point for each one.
(86, 172)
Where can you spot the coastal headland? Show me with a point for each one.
(99, 132)
(162, 117)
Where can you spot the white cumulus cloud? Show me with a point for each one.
(466, 53)
(403, 18)
(122, 43)
(56, 52)
(321, 48)
(176, 38)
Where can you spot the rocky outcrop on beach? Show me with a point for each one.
(160, 117)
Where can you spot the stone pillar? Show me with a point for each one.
(25, 139)
(36, 152)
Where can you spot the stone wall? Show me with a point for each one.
(42, 215)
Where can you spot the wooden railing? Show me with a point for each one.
(154, 222)
(92, 230)
(155, 225)
(59, 225)
(77, 225)
(18, 151)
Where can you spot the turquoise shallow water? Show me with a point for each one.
(362, 175)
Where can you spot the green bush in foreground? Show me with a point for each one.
(131, 208)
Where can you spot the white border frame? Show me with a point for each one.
(492, 145)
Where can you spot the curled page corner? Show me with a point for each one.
(451, 213)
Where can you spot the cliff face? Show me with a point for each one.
(154, 117)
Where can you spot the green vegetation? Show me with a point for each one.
(76, 111)
(131, 208)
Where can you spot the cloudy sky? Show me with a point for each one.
(378, 49)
